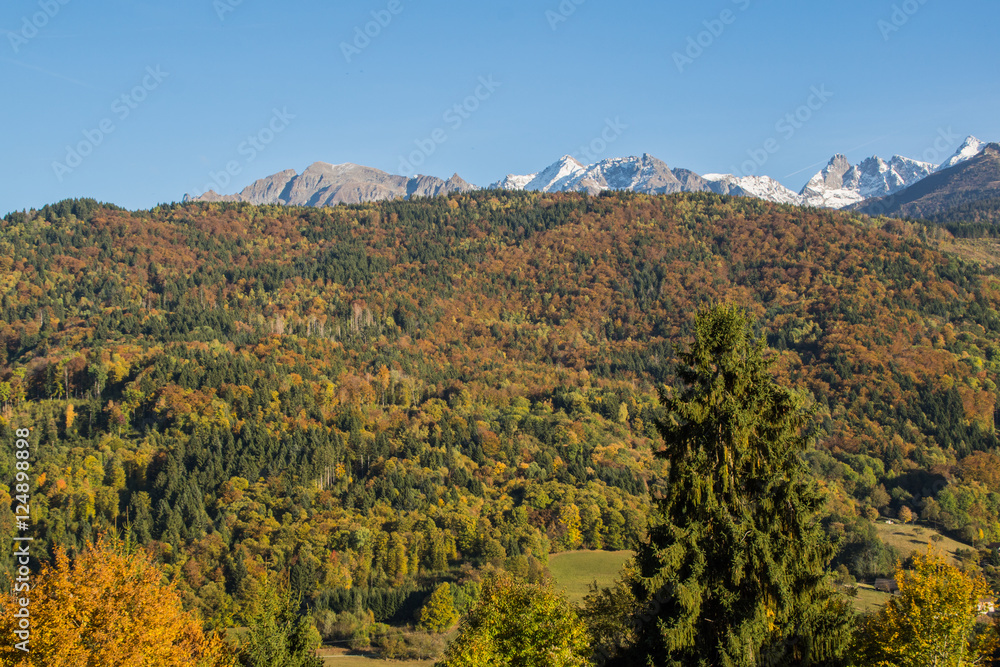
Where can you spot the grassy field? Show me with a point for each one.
(574, 571)
(336, 657)
(342, 657)
(869, 599)
(909, 538)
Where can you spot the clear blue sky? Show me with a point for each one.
(220, 81)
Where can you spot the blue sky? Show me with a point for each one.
(137, 102)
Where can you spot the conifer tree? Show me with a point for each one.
(276, 635)
(732, 573)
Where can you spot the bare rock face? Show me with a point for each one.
(692, 182)
(324, 184)
(268, 189)
(832, 175)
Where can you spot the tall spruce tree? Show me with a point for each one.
(733, 571)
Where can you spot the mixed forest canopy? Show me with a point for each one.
(373, 400)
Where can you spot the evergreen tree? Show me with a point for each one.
(276, 635)
(732, 573)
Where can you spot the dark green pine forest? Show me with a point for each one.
(370, 401)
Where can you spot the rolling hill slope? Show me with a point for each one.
(368, 397)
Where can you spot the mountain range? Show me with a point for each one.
(838, 185)
(324, 184)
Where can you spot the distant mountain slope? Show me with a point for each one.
(646, 175)
(979, 218)
(841, 184)
(969, 181)
(838, 185)
(324, 184)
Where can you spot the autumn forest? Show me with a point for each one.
(364, 406)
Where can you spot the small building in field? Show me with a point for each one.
(886, 585)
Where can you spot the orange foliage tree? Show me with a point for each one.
(107, 607)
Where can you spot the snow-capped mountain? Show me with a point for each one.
(644, 174)
(968, 150)
(639, 174)
(560, 176)
(838, 185)
(966, 191)
(826, 189)
(761, 187)
(841, 184)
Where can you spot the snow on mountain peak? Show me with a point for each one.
(838, 185)
(761, 187)
(553, 178)
(841, 184)
(969, 149)
(645, 174)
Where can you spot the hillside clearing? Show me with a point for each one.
(574, 571)
(339, 657)
(909, 538)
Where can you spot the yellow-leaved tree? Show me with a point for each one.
(108, 607)
(932, 621)
(438, 613)
(516, 623)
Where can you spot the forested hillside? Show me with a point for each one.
(378, 398)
